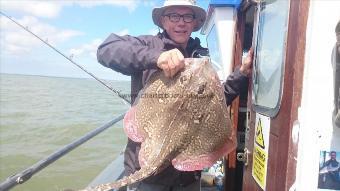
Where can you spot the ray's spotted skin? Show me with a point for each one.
(181, 121)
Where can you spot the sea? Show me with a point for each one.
(39, 115)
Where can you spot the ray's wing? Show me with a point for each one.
(157, 116)
(212, 136)
(130, 126)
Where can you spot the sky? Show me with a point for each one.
(75, 27)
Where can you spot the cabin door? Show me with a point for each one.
(263, 132)
(270, 150)
(261, 138)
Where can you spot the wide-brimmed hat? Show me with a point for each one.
(199, 12)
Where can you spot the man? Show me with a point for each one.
(336, 76)
(330, 172)
(139, 56)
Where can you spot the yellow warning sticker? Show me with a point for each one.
(260, 150)
(259, 135)
(260, 166)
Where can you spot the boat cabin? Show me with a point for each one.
(286, 121)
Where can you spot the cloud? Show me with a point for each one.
(153, 31)
(51, 9)
(123, 32)
(91, 47)
(149, 3)
(48, 9)
(15, 40)
(131, 5)
(87, 49)
(22, 53)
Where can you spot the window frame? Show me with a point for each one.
(264, 110)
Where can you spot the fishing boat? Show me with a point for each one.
(285, 122)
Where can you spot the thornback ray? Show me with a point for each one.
(181, 121)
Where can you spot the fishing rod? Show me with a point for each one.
(68, 58)
(26, 174)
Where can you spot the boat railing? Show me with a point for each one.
(112, 172)
(26, 174)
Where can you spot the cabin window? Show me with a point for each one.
(270, 55)
(214, 51)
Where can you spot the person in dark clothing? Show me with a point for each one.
(329, 173)
(140, 56)
(336, 76)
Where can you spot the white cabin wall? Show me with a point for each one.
(223, 20)
(225, 24)
(316, 132)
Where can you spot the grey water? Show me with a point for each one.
(39, 115)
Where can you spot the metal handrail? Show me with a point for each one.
(26, 174)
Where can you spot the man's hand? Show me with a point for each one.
(171, 62)
(247, 62)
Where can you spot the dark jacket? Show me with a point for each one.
(137, 57)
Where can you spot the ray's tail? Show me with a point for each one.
(143, 173)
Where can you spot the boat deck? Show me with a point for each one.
(114, 171)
